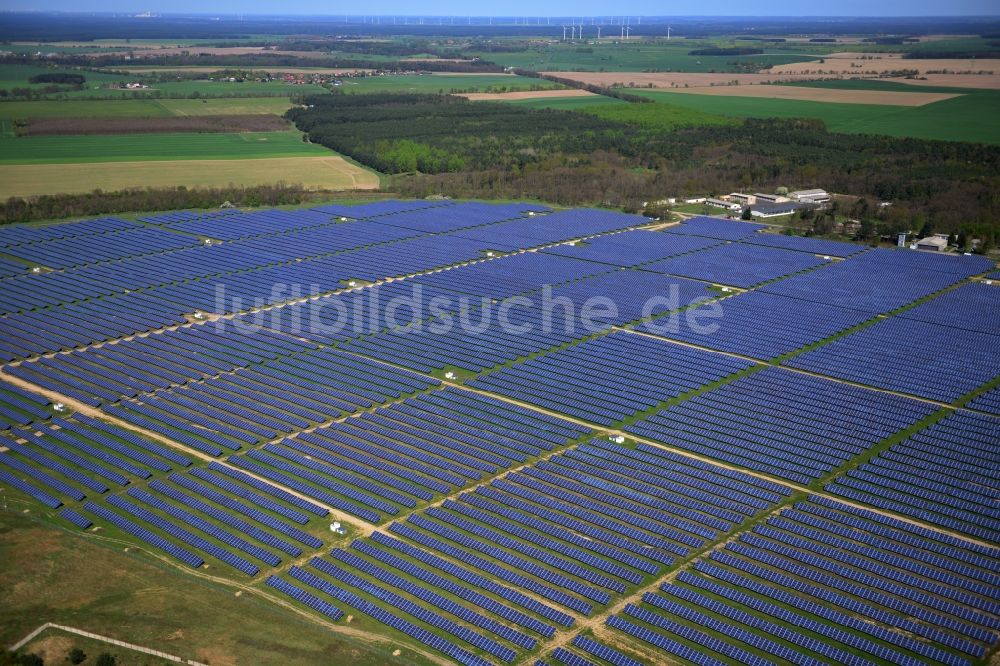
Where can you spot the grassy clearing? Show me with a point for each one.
(54, 576)
(142, 147)
(965, 118)
(314, 172)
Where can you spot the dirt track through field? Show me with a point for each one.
(835, 95)
(527, 94)
(206, 123)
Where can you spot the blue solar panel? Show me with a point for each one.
(792, 425)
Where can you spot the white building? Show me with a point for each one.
(933, 244)
(810, 196)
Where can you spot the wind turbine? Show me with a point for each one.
(668, 33)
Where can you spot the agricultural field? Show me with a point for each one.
(166, 146)
(961, 118)
(144, 108)
(313, 172)
(613, 55)
(84, 144)
(435, 83)
(388, 487)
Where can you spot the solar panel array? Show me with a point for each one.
(863, 282)
(710, 227)
(500, 523)
(610, 378)
(632, 248)
(818, 246)
(571, 532)
(791, 425)
(946, 474)
(974, 307)
(792, 590)
(380, 463)
(737, 265)
(760, 325)
(987, 402)
(915, 357)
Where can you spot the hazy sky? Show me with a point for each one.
(532, 7)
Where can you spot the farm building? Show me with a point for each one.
(776, 209)
(743, 199)
(727, 205)
(770, 198)
(933, 243)
(810, 196)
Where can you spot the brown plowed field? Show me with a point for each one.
(240, 123)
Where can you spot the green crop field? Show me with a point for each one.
(964, 118)
(138, 147)
(433, 83)
(143, 108)
(616, 56)
(876, 84)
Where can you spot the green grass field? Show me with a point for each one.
(140, 147)
(433, 83)
(964, 118)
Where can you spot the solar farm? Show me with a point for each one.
(498, 433)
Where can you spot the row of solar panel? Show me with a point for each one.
(754, 610)
(787, 424)
(608, 379)
(944, 474)
(872, 356)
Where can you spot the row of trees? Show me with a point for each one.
(17, 209)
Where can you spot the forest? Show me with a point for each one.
(439, 144)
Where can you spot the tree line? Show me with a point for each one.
(17, 209)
